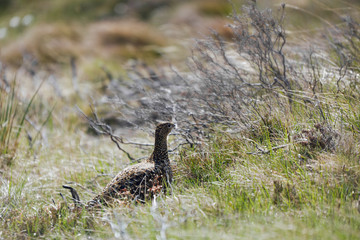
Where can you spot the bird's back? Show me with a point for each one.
(137, 182)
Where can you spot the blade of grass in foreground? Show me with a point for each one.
(27, 110)
(11, 116)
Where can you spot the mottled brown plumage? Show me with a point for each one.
(143, 180)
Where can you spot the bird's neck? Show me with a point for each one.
(160, 153)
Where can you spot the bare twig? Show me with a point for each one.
(75, 196)
(62, 196)
(105, 129)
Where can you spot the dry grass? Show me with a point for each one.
(125, 38)
(47, 43)
(126, 32)
(50, 44)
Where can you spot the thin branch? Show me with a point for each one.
(105, 129)
(75, 196)
(62, 196)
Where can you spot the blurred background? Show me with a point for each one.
(81, 49)
(96, 32)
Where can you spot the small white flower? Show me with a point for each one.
(14, 22)
(27, 19)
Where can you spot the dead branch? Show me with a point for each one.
(62, 196)
(105, 129)
(75, 196)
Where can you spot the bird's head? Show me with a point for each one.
(163, 129)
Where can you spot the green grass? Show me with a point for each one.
(12, 118)
(220, 191)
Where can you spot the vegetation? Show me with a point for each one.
(12, 120)
(268, 125)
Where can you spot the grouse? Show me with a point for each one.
(140, 181)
